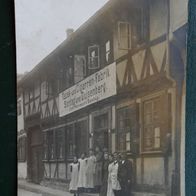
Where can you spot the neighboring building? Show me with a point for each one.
(115, 82)
(21, 135)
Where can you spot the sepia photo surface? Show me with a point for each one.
(101, 97)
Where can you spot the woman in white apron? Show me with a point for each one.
(74, 169)
(113, 183)
(82, 173)
(90, 171)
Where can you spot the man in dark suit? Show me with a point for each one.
(125, 175)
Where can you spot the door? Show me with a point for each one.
(36, 164)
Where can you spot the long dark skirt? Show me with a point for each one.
(103, 191)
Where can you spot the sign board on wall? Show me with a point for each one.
(92, 89)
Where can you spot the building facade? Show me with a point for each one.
(21, 138)
(116, 82)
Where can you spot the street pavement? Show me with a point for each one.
(22, 192)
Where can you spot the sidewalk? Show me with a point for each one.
(46, 191)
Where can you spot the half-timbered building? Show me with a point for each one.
(21, 135)
(116, 82)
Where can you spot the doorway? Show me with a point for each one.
(37, 169)
(35, 163)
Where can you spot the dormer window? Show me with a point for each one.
(79, 68)
(93, 57)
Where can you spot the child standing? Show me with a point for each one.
(74, 169)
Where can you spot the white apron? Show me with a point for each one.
(91, 163)
(82, 173)
(73, 186)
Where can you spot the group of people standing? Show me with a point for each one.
(108, 174)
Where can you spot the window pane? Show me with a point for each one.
(148, 119)
(93, 57)
(122, 143)
(124, 35)
(152, 118)
(157, 143)
(107, 46)
(128, 146)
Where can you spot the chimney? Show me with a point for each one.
(69, 31)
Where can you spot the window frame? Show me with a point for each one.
(127, 131)
(84, 68)
(95, 57)
(57, 131)
(129, 36)
(108, 52)
(140, 28)
(164, 123)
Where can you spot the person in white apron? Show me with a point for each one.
(82, 173)
(90, 172)
(113, 183)
(74, 169)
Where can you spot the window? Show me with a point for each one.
(127, 129)
(44, 90)
(45, 146)
(108, 51)
(81, 136)
(37, 89)
(101, 137)
(136, 32)
(60, 143)
(31, 94)
(67, 74)
(155, 123)
(22, 149)
(93, 57)
(140, 26)
(51, 147)
(19, 108)
(79, 68)
(124, 35)
(26, 96)
(70, 140)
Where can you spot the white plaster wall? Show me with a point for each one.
(178, 13)
(154, 171)
(22, 170)
(158, 18)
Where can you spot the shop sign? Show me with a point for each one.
(92, 89)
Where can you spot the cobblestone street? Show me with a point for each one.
(22, 192)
